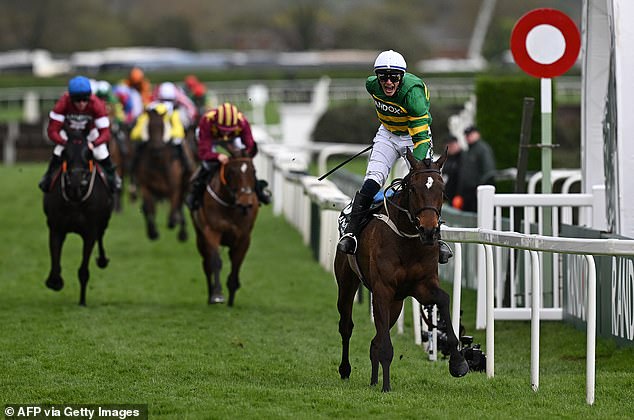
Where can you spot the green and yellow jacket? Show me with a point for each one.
(407, 112)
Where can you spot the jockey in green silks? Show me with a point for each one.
(402, 104)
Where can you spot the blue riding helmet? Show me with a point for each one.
(79, 86)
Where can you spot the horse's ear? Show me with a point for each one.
(413, 162)
(441, 160)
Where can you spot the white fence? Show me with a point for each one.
(533, 243)
(491, 208)
(313, 207)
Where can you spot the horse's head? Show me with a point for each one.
(77, 166)
(156, 126)
(424, 191)
(238, 177)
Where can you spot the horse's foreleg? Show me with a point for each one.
(236, 254)
(208, 247)
(175, 197)
(458, 366)
(182, 233)
(55, 243)
(84, 273)
(213, 265)
(348, 284)
(102, 260)
(149, 212)
(395, 312)
(381, 349)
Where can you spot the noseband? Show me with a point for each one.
(403, 184)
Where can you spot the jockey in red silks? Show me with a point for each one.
(79, 109)
(227, 125)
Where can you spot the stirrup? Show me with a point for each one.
(444, 252)
(347, 243)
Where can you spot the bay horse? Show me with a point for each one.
(160, 175)
(225, 218)
(397, 257)
(79, 201)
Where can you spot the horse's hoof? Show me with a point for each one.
(344, 371)
(56, 285)
(153, 235)
(102, 262)
(182, 236)
(458, 367)
(216, 299)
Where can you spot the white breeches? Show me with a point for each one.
(387, 149)
(100, 152)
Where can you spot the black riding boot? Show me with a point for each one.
(194, 197)
(263, 193)
(444, 252)
(53, 165)
(360, 206)
(111, 174)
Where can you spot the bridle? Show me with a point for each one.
(225, 186)
(66, 173)
(404, 185)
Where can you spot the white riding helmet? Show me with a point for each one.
(390, 60)
(167, 91)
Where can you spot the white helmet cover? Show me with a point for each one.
(167, 91)
(390, 60)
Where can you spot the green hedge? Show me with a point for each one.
(499, 116)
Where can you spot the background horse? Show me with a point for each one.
(79, 202)
(226, 217)
(160, 175)
(395, 262)
(119, 153)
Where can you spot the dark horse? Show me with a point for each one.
(160, 175)
(119, 146)
(397, 257)
(226, 217)
(79, 202)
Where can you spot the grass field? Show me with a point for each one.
(147, 336)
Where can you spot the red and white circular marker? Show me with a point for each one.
(545, 43)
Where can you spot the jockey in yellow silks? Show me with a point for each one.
(174, 132)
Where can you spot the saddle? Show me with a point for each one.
(375, 207)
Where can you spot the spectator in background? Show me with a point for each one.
(478, 168)
(451, 168)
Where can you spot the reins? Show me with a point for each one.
(223, 183)
(93, 174)
(398, 185)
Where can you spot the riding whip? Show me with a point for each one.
(345, 162)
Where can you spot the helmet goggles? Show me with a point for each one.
(384, 76)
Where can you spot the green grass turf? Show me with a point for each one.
(148, 336)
